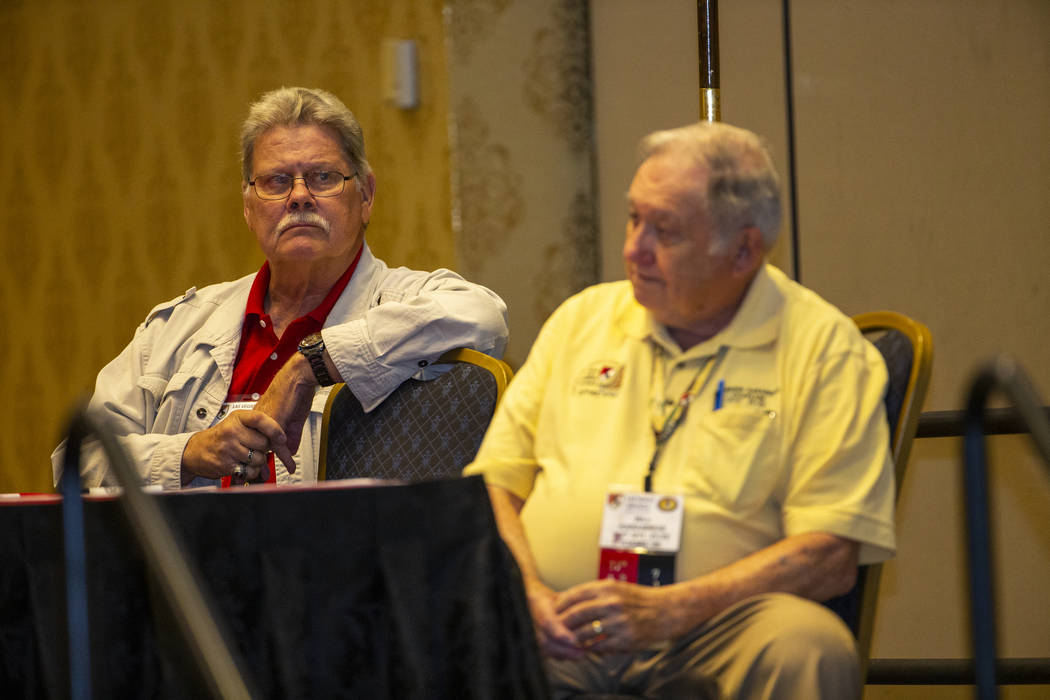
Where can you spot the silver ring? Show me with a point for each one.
(596, 626)
(251, 453)
(240, 469)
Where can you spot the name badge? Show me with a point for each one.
(640, 537)
(231, 406)
(239, 402)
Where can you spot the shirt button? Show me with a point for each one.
(423, 363)
(202, 413)
(262, 323)
(255, 397)
(273, 356)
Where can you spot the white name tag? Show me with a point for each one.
(640, 537)
(649, 521)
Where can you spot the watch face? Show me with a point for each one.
(310, 341)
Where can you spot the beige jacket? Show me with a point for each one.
(172, 379)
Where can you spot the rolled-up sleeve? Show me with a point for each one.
(415, 317)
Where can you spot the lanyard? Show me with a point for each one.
(663, 432)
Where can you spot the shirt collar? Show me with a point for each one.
(257, 294)
(261, 284)
(321, 312)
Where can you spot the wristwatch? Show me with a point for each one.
(312, 348)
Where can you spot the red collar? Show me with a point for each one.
(261, 286)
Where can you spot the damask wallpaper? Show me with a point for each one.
(120, 178)
(520, 95)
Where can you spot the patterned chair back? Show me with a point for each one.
(425, 430)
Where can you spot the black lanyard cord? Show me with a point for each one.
(664, 432)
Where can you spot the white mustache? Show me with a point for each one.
(302, 218)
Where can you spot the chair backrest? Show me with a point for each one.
(424, 430)
(907, 348)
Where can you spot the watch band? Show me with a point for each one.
(312, 347)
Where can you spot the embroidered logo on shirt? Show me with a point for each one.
(600, 379)
(753, 395)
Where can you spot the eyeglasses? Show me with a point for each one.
(320, 183)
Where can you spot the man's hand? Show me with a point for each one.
(814, 565)
(287, 401)
(213, 453)
(554, 638)
(274, 425)
(612, 616)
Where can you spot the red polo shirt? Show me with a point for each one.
(261, 353)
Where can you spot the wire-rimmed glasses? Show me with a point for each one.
(320, 183)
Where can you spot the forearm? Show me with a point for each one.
(411, 328)
(554, 638)
(467, 314)
(814, 565)
(507, 508)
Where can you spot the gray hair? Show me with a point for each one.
(291, 106)
(742, 187)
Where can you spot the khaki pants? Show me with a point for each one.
(771, 646)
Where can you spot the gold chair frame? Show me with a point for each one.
(902, 435)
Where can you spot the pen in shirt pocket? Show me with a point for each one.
(720, 394)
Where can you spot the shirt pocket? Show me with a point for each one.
(171, 399)
(734, 457)
(388, 295)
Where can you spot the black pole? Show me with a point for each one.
(796, 263)
(707, 41)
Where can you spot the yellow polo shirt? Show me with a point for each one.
(799, 444)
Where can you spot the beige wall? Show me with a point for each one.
(120, 178)
(923, 163)
(947, 108)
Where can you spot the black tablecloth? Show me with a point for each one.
(379, 592)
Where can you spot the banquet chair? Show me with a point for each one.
(907, 348)
(425, 430)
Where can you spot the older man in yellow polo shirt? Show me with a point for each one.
(691, 458)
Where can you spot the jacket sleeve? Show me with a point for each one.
(414, 317)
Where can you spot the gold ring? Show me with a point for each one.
(596, 626)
